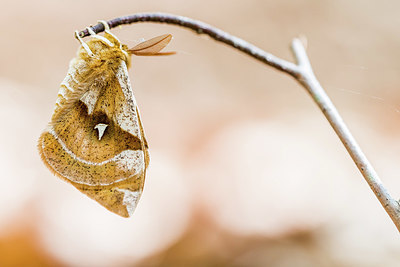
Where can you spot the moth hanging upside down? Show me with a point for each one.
(95, 139)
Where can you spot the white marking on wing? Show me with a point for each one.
(130, 200)
(125, 82)
(129, 160)
(65, 84)
(75, 67)
(63, 90)
(101, 127)
(125, 155)
(72, 76)
(70, 81)
(90, 99)
(127, 118)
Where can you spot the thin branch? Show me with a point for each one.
(201, 28)
(302, 72)
(300, 55)
(310, 82)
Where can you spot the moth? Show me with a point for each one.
(95, 139)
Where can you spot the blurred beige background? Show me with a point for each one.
(245, 171)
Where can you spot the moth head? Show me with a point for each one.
(105, 49)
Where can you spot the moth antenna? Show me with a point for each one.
(84, 45)
(95, 35)
(152, 47)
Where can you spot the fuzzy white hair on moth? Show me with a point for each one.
(95, 140)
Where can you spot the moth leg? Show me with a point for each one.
(84, 45)
(105, 24)
(95, 35)
(107, 28)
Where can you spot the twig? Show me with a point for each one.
(302, 72)
(201, 28)
(310, 82)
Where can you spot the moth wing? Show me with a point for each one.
(123, 197)
(153, 46)
(108, 167)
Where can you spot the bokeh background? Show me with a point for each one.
(245, 170)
